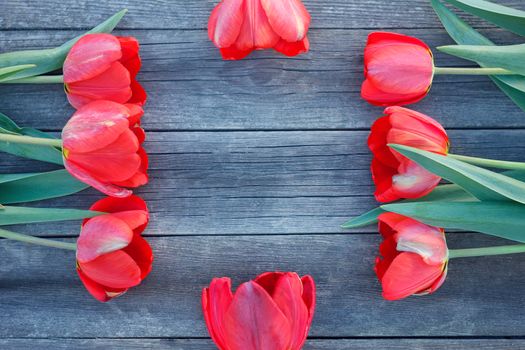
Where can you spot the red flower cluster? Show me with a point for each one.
(274, 311)
(237, 27)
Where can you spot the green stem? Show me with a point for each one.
(28, 140)
(472, 71)
(490, 163)
(472, 252)
(36, 240)
(39, 79)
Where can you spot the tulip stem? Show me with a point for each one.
(490, 163)
(473, 252)
(472, 71)
(28, 140)
(39, 79)
(36, 240)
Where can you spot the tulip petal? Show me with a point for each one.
(138, 94)
(90, 56)
(253, 321)
(130, 54)
(101, 235)
(413, 181)
(132, 210)
(256, 31)
(377, 97)
(268, 280)
(135, 113)
(394, 38)
(98, 291)
(115, 270)
(288, 296)
(292, 48)
(215, 302)
(309, 296)
(377, 142)
(141, 176)
(85, 177)
(289, 18)
(95, 126)
(233, 53)
(382, 177)
(408, 274)
(140, 251)
(426, 241)
(225, 22)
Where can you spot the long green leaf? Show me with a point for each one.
(502, 219)
(503, 16)
(6, 72)
(509, 56)
(25, 215)
(20, 188)
(43, 153)
(513, 85)
(481, 183)
(48, 60)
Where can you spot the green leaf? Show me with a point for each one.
(20, 188)
(481, 183)
(43, 153)
(48, 60)
(25, 215)
(6, 72)
(513, 85)
(502, 219)
(503, 16)
(509, 57)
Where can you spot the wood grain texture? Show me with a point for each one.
(41, 296)
(191, 88)
(194, 14)
(312, 344)
(262, 182)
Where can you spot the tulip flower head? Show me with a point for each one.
(102, 146)
(398, 69)
(394, 175)
(103, 67)
(414, 257)
(237, 27)
(273, 311)
(112, 255)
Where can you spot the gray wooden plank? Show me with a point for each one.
(191, 88)
(311, 344)
(261, 182)
(194, 14)
(40, 295)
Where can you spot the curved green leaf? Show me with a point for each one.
(513, 85)
(502, 219)
(509, 57)
(20, 188)
(6, 72)
(43, 153)
(48, 60)
(481, 183)
(503, 16)
(25, 215)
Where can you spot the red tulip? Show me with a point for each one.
(414, 257)
(102, 146)
(112, 256)
(398, 69)
(237, 27)
(394, 175)
(103, 67)
(272, 312)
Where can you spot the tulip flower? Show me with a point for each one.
(112, 255)
(237, 27)
(102, 146)
(414, 257)
(273, 311)
(394, 175)
(399, 69)
(103, 67)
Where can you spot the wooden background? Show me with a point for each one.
(254, 165)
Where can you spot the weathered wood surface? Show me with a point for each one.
(254, 165)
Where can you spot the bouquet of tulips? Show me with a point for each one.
(411, 155)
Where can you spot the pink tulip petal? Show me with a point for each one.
(101, 235)
(215, 302)
(424, 240)
(256, 31)
(253, 321)
(413, 181)
(132, 210)
(98, 291)
(115, 270)
(225, 22)
(90, 56)
(289, 18)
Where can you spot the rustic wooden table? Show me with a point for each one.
(254, 165)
